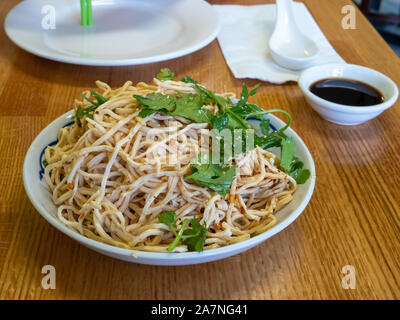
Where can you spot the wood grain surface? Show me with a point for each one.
(353, 217)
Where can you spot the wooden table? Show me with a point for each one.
(353, 217)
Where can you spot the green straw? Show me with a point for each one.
(84, 12)
(89, 16)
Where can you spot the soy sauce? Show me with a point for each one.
(347, 92)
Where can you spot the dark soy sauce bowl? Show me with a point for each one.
(344, 114)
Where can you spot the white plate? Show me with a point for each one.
(40, 197)
(124, 32)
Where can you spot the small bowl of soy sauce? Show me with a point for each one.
(347, 94)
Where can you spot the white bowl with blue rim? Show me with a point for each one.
(40, 197)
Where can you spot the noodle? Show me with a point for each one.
(113, 177)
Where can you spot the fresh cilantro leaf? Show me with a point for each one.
(241, 105)
(168, 218)
(234, 121)
(78, 115)
(157, 102)
(254, 90)
(296, 164)
(213, 176)
(209, 96)
(146, 112)
(244, 96)
(195, 237)
(165, 74)
(297, 172)
(220, 121)
(190, 106)
(87, 99)
(249, 111)
(273, 139)
(188, 79)
(89, 111)
(301, 176)
(264, 126)
(100, 99)
(225, 120)
(289, 162)
(287, 153)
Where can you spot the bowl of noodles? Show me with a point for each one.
(168, 173)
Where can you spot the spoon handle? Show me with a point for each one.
(285, 16)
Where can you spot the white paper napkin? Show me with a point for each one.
(244, 36)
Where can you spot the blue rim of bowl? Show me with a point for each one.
(53, 143)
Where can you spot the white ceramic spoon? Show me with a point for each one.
(289, 46)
